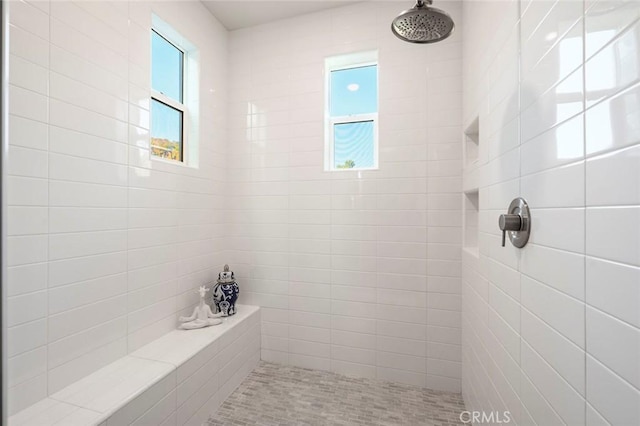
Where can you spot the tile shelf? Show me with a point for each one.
(120, 392)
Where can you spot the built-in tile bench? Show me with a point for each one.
(179, 379)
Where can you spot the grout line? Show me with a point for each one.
(584, 194)
(48, 307)
(94, 39)
(613, 373)
(128, 203)
(519, 35)
(559, 39)
(614, 39)
(542, 394)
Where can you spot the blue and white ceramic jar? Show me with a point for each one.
(225, 293)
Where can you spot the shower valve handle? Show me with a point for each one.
(517, 221)
(509, 222)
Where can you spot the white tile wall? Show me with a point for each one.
(105, 245)
(550, 332)
(356, 272)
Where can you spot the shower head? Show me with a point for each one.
(422, 24)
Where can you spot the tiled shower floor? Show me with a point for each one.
(281, 395)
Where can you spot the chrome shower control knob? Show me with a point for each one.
(509, 222)
(517, 222)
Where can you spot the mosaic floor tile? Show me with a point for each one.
(276, 394)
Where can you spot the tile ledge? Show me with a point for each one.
(50, 411)
(96, 397)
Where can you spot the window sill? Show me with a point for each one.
(368, 169)
(172, 162)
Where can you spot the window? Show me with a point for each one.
(351, 132)
(168, 111)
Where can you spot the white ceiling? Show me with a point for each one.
(242, 14)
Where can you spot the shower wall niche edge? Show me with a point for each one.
(470, 226)
(471, 146)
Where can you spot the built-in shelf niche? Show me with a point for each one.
(471, 201)
(472, 142)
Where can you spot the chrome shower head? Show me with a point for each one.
(423, 24)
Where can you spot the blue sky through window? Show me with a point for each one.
(354, 91)
(353, 142)
(166, 67)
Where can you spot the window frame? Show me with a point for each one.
(345, 62)
(172, 103)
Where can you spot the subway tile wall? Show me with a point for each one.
(550, 332)
(357, 272)
(105, 246)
